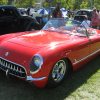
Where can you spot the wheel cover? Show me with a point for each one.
(59, 71)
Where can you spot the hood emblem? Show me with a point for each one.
(6, 54)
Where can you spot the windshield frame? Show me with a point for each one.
(55, 24)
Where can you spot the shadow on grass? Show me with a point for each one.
(20, 90)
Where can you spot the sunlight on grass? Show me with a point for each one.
(89, 90)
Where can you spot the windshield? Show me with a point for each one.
(66, 26)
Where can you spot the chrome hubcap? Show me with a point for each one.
(59, 71)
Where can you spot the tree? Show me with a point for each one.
(24, 3)
(72, 4)
(3, 2)
(10, 2)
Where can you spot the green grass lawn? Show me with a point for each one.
(81, 85)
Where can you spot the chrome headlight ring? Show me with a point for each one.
(38, 60)
(36, 63)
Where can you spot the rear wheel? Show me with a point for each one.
(58, 73)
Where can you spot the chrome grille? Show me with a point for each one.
(14, 69)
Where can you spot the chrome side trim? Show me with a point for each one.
(78, 61)
(30, 78)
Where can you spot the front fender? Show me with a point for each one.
(50, 57)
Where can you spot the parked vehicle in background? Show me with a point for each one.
(79, 17)
(87, 12)
(22, 11)
(12, 21)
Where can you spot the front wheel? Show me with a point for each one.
(58, 73)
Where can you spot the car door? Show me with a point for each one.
(81, 50)
(95, 42)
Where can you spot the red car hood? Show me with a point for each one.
(41, 39)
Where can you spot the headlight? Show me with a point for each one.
(36, 63)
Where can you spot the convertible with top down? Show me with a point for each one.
(46, 57)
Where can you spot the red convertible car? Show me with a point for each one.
(45, 57)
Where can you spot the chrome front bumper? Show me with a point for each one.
(30, 78)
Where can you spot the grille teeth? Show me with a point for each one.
(20, 70)
(8, 66)
(13, 68)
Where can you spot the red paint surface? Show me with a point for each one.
(52, 46)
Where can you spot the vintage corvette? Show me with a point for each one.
(45, 57)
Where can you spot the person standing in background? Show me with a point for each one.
(57, 12)
(94, 19)
(99, 19)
